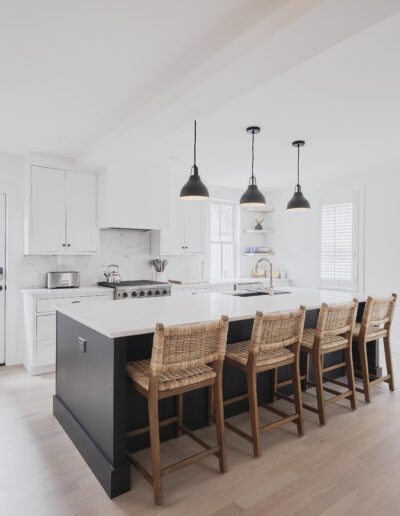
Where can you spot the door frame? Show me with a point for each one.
(13, 352)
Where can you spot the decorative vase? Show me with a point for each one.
(259, 226)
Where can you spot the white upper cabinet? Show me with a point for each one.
(82, 233)
(47, 211)
(193, 222)
(61, 215)
(186, 231)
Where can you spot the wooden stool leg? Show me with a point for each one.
(155, 440)
(275, 385)
(348, 356)
(389, 365)
(211, 405)
(252, 390)
(304, 382)
(219, 417)
(179, 413)
(319, 387)
(297, 396)
(362, 351)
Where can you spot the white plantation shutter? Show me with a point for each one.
(338, 244)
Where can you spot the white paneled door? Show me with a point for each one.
(2, 275)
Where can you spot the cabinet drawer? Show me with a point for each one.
(47, 305)
(45, 352)
(45, 327)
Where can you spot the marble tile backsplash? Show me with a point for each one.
(128, 249)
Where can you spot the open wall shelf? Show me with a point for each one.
(260, 231)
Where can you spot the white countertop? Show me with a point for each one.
(138, 316)
(64, 292)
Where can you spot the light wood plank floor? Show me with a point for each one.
(349, 467)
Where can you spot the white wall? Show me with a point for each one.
(296, 237)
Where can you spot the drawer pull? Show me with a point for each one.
(73, 302)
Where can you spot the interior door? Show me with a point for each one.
(48, 211)
(2, 275)
(81, 212)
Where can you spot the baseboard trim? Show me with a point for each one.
(114, 480)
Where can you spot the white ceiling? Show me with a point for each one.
(345, 103)
(97, 80)
(72, 69)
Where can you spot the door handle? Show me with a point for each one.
(1, 288)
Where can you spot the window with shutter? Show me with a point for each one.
(339, 244)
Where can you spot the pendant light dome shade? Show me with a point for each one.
(298, 202)
(194, 189)
(252, 196)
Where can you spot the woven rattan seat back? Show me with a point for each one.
(336, 319)
(379, 311)
(182, 347)
(273, 331)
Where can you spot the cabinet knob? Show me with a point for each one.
(68, 245)
(63, 245)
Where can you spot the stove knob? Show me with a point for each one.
(150, 293)
(134, 294)
(158, 292)
(125, 294)
(141, 293)
(165, 292)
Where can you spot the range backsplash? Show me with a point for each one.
(128, 249)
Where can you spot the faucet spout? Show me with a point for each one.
(271, 286)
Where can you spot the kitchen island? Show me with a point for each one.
(93, 401)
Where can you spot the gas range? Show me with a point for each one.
(138, 289)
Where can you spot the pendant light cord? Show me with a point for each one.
(298, 165)
(195, 139)
(252, 159)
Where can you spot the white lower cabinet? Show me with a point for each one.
(39, 344)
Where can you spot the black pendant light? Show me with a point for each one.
(298, 202)
(252, 196)
(194, 189)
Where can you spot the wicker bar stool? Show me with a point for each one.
(334, 332)
(375, 324)
(179, 364)
(275, 342)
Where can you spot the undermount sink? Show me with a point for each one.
(252, 293)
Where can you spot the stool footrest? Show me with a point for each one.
(144, 429)
(339, 396)
(333, 367)
(235, 399)
(146, 474)
(189, 460)
(280, 422)
(380, 379)
(195, 438)
(238, 431)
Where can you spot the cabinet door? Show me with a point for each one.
(47, 215)
(194, 226)
(81, 213)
